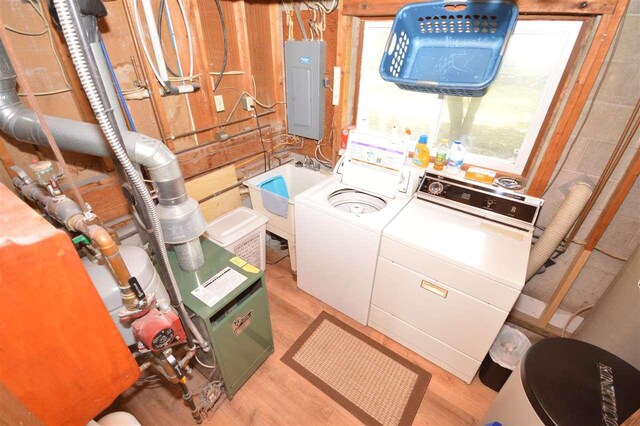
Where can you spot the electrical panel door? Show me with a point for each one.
(304, 73)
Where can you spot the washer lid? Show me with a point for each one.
(356, 202)
(373, 164)
(569, 382)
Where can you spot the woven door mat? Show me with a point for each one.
(372, 382)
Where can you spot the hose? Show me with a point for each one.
(68, 15)
(560, 225)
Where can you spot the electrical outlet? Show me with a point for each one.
(247, 103)
(219, 103)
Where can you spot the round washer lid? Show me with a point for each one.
(356, 202)
(564, 380)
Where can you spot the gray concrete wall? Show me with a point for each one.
(592, 147)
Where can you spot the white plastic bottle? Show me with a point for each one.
(456, 157)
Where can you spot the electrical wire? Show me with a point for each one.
(211, 367)
(187, 26)
(289, 13)
(145, 49)
(161, 8)
(224, 46)
(123, 102)
(573, 316)
(47, 30)
(589, 109)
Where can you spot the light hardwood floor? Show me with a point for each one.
(278, 395)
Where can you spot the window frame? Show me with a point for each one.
(545, 119)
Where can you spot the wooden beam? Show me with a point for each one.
(614, 203)
(150, 81)
(201, 103)
(343, 112)
(578, 97)
(564, 286)
(605, 218)
(77, 93)
(368, 8)
(531, 323)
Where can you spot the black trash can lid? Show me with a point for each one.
(569, 382)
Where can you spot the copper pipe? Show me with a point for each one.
(215, 126)
(107, 246)
(164, 367)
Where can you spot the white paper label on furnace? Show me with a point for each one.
(217, 287)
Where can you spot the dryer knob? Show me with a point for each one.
(436, 188)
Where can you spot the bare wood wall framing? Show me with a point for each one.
(188, 124)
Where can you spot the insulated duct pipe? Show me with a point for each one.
(180, 216)
(560, 225)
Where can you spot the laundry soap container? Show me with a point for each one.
(242, 232)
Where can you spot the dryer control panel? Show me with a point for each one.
(495, 204)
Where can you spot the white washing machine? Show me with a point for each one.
(339, 222)
(451, 267)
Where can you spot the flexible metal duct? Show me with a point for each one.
(180, 216)
(560, 225)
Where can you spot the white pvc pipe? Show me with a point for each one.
(560, 225)
(155, 39)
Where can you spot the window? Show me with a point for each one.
(498, 129)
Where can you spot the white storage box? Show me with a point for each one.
(242, 232)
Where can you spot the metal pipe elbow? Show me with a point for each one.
(156, 157)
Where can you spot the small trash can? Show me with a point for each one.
(503, 357)
(566, 382)
(243, 232)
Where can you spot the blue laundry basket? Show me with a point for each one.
(451, 48)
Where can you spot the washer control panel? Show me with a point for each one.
(493, 203)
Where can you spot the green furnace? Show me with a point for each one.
(238, 324)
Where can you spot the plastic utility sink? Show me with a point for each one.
(297, 180)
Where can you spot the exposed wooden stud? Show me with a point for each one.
(605, 218)
(365, 8)
(531, 323)
(150, 81)
(578, 97)
(201, 103)
(343, 112)
(563, 86)
(79, 99)
(563, 288)
(614, 203)
(77, 93)
(266, 49)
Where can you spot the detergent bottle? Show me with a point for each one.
(456, 157)
(421, 154)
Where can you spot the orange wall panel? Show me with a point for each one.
(61, 355)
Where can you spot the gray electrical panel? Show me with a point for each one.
(304, 73)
